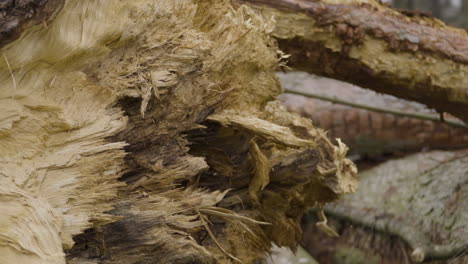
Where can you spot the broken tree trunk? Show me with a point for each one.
(374, 46)
(147, 131)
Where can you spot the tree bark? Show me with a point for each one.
(147, 131)
(366, 132)
(369, 44)
(409, 210)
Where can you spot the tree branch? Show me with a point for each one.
(374, 46)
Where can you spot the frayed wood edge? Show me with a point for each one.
(322, 224)
(210, 233)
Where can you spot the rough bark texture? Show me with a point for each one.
(369, 44)
(147, 131)
(365, 132)
(406, 211)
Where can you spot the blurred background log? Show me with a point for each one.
(453, 12)
(368, 133)
(407, 210)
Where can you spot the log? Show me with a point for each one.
(369, 44)
(148, 131)
(408, 210)
(369, 133)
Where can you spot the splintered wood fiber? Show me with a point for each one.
(112, 124)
